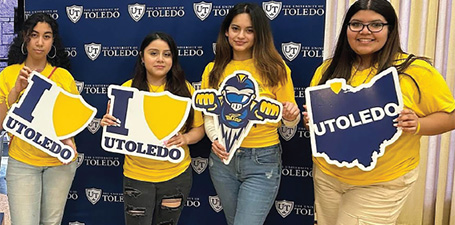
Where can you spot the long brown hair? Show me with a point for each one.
(267, 60)
(344, 57)
(175, 78)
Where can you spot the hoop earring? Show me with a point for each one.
(142, 63)
(22, 49)
(55, 53)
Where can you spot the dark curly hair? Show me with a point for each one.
(15, 55)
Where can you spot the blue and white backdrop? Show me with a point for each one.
(102, 39)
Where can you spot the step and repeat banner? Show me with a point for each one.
(102, 39)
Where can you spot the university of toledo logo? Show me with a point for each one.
(215, 203)
(92, 50)
(202, 10)
(235, 108)
(287, 133)
(284, 208)
(291, 50)
(94, 126)
(40, 118)
(80, 86)
(93, 195)
(143, 132)
(136, 11)
(76, 223)
(74, 12)
(199, 164)
(80, 159)
(272, 9)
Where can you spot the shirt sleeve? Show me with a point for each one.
(431, 94)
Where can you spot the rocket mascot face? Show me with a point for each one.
(236, 108)
(238, 93)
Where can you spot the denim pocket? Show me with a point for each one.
(269, 155)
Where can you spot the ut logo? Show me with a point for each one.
(235, 108)
(145, 121)
(291, 50)
(41, 117)
(74, 12)
(202, 9)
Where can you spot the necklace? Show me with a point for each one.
(368, 75)
(152, 89)
(39, 70)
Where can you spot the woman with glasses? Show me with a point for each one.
(368, 44)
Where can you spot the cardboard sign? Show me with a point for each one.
(236, 107)
(46, 114)
(353, 126)
(147, 120)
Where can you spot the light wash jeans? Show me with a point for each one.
(37, 195)
(247, 187)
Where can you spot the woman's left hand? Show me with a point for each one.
(408, 121)
(178, 140)
(290, 111)
(70, 143)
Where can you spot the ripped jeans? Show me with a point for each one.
(247, 187)
(143, 201)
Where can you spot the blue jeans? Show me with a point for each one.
(37, 194)
(247, 187)
(143, 200)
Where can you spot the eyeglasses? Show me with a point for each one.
(372, 27)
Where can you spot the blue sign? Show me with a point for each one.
(353, 126)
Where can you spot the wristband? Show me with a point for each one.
(418, 128)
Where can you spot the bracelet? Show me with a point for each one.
(418, 128)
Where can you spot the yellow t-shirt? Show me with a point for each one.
(260, 135)
(19, 149)
(403, 155)
(144, 169)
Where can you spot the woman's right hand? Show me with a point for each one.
(22, 79)
(219, 150)
(108, 119)
(306, 119)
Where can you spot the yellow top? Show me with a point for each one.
(403, 155)
(260, 135)
(19, 149)
(149, 170)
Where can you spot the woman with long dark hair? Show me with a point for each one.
(247, 187)
(368, 44)
(155, 191)
(38, 184)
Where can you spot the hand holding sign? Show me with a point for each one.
(353, 126)
(139, 123)
(41, 117)
(235, 108)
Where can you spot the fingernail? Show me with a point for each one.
(395, 120)
(118, 121)
(395, 124)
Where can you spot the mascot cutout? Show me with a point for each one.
(353, 126)
(236, 107)
(46, 114)
(146, 121)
